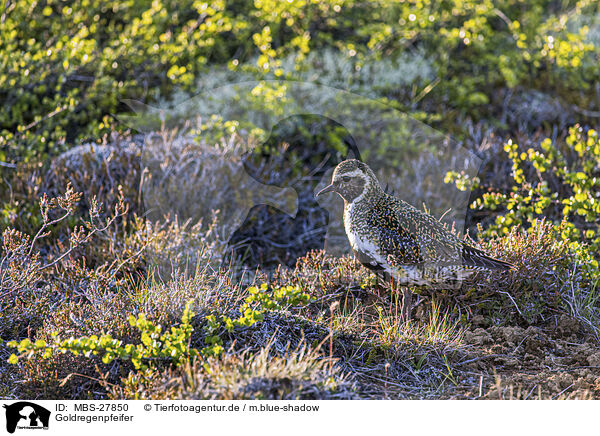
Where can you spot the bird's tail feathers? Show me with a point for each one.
(474, 257)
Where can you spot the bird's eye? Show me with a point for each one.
(346, 179)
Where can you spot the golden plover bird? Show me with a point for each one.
(390, 236)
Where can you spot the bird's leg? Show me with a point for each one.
(393, 287)
(384, 281)
(406, 304)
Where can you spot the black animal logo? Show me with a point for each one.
(27, 415)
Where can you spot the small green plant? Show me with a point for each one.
(261, 299)
(173, 344)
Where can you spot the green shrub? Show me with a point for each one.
(67, 68)
(173, 344)
(558, 181)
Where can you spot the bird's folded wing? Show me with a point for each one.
(414, 238)
(396, 244)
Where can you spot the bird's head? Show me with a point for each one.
(351, 179)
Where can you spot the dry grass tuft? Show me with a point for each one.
(301, 373)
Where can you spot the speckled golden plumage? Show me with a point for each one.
(389, 235)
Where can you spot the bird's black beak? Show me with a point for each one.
(329, 188)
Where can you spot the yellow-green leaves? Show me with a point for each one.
(556, 181)
(260, 299)
(173, 345)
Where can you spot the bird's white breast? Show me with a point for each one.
(360, 242)
(348, 227)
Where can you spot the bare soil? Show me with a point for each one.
(556, 361)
